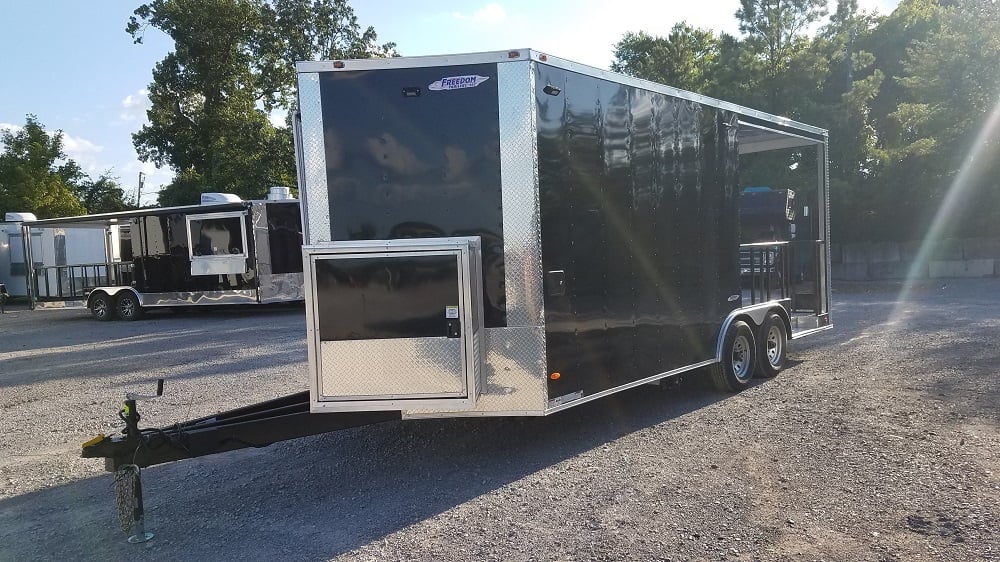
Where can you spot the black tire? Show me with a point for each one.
(102, 307)
(128, 307)
(739, 355)
(772, 346)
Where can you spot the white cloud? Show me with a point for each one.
(84, 152)
(134, 106)
(491, 13)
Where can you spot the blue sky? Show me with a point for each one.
(72, 64)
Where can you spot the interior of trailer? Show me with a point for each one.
(783, 244)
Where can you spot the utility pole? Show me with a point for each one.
(138, 190)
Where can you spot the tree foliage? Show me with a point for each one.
(911, 100)
(232, 65)
(775, 32)
(683, 59)
(35, 175)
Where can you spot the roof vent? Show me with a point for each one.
(215, 198)
(279, 193)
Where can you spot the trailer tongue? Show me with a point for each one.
(258, 425)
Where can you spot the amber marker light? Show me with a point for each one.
(513, 54)
(543, 58)
(555, 376)
(338, 64)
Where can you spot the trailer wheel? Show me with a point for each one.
(102, 307)
(773, 338)
(128, 306)
(739, 354)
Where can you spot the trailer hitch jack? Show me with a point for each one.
(128, 481)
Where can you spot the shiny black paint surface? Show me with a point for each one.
(284, 237)
(161, 263)
(417, 166)
(363, 298)
(639, 209)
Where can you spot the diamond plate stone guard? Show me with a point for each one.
(519, 192)
(316, 196)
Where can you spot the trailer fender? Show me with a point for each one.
(754, 315)
(111, 292)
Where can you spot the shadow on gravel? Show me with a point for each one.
(319, 497)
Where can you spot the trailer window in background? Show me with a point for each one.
(217, 243)
(18, 264)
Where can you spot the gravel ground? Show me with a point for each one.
(881, 441)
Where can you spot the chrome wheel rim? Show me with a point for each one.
(126, 308)
(774, 345)
(741, 357)
(100, 308)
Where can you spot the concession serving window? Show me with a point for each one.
(217, 243)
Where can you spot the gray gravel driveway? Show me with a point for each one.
(881, 442)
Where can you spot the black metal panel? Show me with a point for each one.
(361, 298)
(162, 264)
(638, 208)
(422, 163)
(284, 237)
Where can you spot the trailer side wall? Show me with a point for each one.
(639, 229)
(162, 263)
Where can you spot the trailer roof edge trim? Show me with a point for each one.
(516, 55)
(102, 219)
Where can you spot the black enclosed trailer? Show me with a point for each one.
(510, 233)
(242, 252)
(513, 234)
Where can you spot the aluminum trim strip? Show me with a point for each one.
(823, 163)
(671, 91)
(413, 62)
(261, 242)
(398, 245)
(632, 384)
(810, 332)
(417, 415)
(519, 194)
(315, 198)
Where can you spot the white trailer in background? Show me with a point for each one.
(50, 249)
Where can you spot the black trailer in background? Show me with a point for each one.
(246, 252)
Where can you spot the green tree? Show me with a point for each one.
(683, 59)
(950, 125)
(103, 195)
(232, 64)
(775, 30)
(35, 175)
